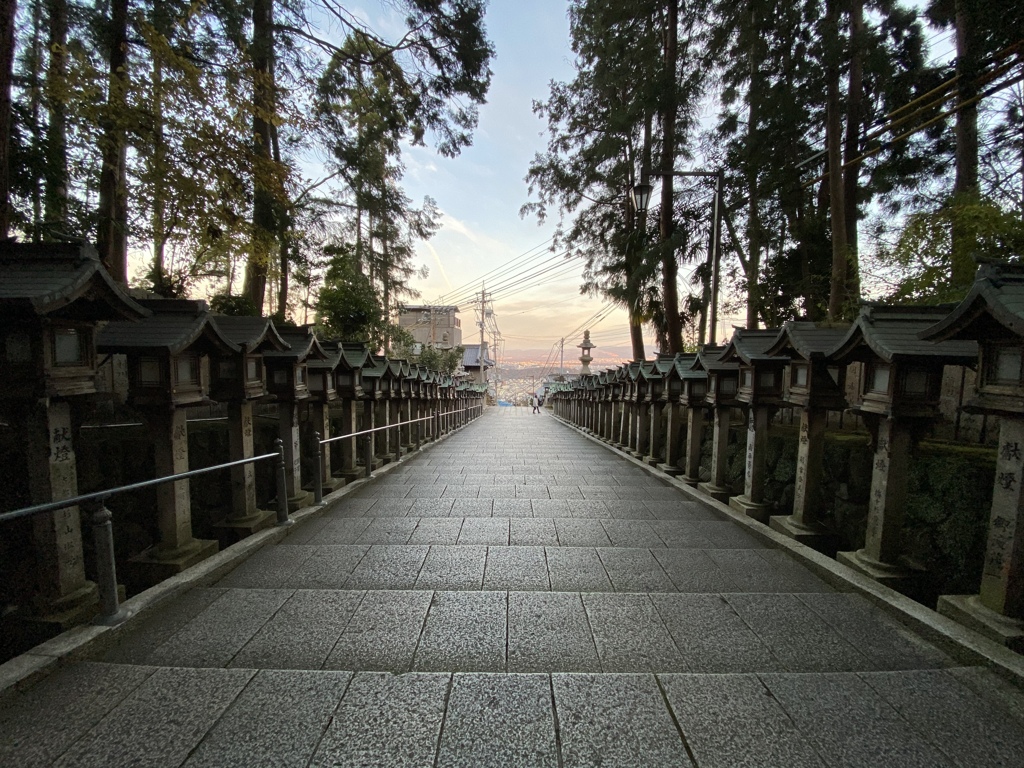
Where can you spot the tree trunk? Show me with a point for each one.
(283, 239)
(35, 88)
(8, 9)
(263, 224)
(159, 158)
(112, 230)
(851, 149)
(55, 189)
(669, 266)
(833, 140)
(965, 186)
(753, 216)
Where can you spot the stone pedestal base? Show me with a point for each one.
(969, 611)
(230, 530)
(816, 538)
(751, 509)
(902, 577)
(652, 461)
(716, 492)
(635, 454)
(671, 469)
(332, 483)
(23, 629)
(347, 476)
(299, 500)
(153, 565)
(693, 482)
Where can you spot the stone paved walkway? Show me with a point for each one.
(518, 596)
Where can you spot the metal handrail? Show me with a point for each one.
(111, 612)
(318, 483)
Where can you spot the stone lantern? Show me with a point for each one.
(694, 379)
(52, 298)
(723, 385)
(899, 397)
(168, 356)
(349, 385)
(656, 374)
(816, 385)
(288, 380)
(585, 358)
(377, 388)
(673, 398)
(760, 390)
(240, 379)
(323, 393)
(993, 314)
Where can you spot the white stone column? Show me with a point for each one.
(751, 502)
(655, 433)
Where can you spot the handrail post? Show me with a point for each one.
(111, 612)
(282, 485)
(318, 482)
(419, 428)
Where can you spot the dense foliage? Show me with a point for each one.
(853, 161)
(191, 132)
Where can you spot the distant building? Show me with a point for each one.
(437, 327)
(476, 364)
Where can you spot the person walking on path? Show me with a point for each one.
(535, 403)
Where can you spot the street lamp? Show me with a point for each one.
(641, 194)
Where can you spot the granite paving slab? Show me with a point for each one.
(277, 720)
(576, 569)
(850, 724)
(616, 721)
(161, 721)
(38, 726)
(452, 568)
(499, 721)
(464, 632)
(732, 721)
(302, 633)
(386, 721)
(383, 632)
(549, 632)
(515, 567)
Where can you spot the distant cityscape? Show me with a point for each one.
(516, 379)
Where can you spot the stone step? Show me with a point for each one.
(511, 631)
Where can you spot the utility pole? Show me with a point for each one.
(483, 316)
(561, 357)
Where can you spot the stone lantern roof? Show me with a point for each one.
(252, 334)
(807, 340)
(994, 307)
(303, 346)
(751, 347)
(172, 326)
(67, 280)
(891, 334)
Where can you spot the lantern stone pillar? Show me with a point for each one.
(998, 610)
(63, 596)
(641, 431)
(717, 487)
(751, 503)
(880, 556)
(177, 549)
(694, 445)
(655, 434)
(349, 454)
(320, 416)
(804, 524)
(673, 430)
(370, 422)
(288, 431)
(245, 517)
